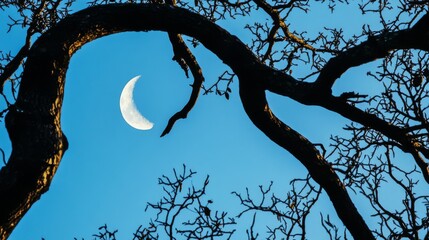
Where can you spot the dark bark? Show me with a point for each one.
(319, 93)
(185, 58)
(34, 126)
(256, 107)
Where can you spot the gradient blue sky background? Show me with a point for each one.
(110, 170)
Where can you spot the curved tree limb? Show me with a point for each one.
(184, 57)
(374, 48)
(33, 123)
(182, 52)
(306, 93)
(256, 107)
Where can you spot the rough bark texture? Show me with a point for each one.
(34, 122)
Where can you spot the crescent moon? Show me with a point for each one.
(129, 111)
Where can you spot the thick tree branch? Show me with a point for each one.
(256, 107)
(184, 57)
(319, 92)
(307, 93)
(33, 123)
(374, 48)
(183, 53)
(406, 142)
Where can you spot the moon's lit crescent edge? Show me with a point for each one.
(129, 111)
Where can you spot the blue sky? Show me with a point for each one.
(110, 170)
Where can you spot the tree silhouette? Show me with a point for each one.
(180, 198)
(363, 161)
